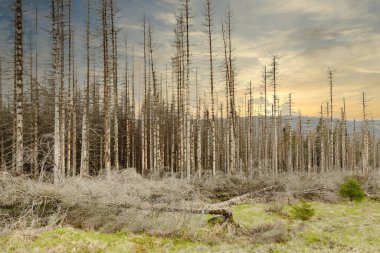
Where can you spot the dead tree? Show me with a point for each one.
(70, 153)
(208, 26)
(2, 150)
(35, 100)
(128, 124)
(115, 88)
(1, 87)
(106, 106)
(187, 94)
(144, 151)
(230, 77)
(62, 104)
(18, 69)
(265, 124)
(198, 129)
(365, 145)
(84, 165)
(57, 145)
(290, 136)
(330, 74)
(274, 72)
(344, 137)
(73, 112)
(133, 130)
(322, 143)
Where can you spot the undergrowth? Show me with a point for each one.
(127, 200)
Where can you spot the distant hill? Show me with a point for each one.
(314, 121)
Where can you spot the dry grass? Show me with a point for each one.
(126, 200)
(285, 187)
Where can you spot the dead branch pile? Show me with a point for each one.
(232, 190)
(128, 200)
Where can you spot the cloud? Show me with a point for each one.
(165, 17)
(308, 35)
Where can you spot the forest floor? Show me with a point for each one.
(336, 227)
(130, 213)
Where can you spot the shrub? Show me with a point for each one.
(352, 189)
(303, 211)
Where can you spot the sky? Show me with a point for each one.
(308, 35)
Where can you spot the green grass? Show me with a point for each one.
(253, 215)
(343, 227)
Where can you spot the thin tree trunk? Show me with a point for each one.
(107, 118)
(365, 153)
(84, 169)
(19, 67)
(209, 25)
(115, 89)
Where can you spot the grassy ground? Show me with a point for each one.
(343, 227)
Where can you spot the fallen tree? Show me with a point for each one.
(127, 198)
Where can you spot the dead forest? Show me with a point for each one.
(57, 121)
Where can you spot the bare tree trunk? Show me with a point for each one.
(309, 147)
(32, 104)
(144, 110)
(19, 68)
(84, 169)
(322, 140)
(232, 93)
(209, 16)
(74, 115)
(128, 124)
(62, 103)
(133, 115)
(3, 164)
(331, 137)
(1, 87)
(70, 154)
(106, 106)
(115, 89)
(233, 156)
(187, 107)
(230, 162)
(343, 137)
(36, 104)
(250, 147)
(265, 135)
(365, 152)
(275, 119)
(373, 146)
(290, 137)
(57, 145)
(199, 130)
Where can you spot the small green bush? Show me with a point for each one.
(303, 211)
(352, 189)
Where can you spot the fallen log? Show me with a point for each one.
(221, 209)
(226, 213)
(243, 198)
